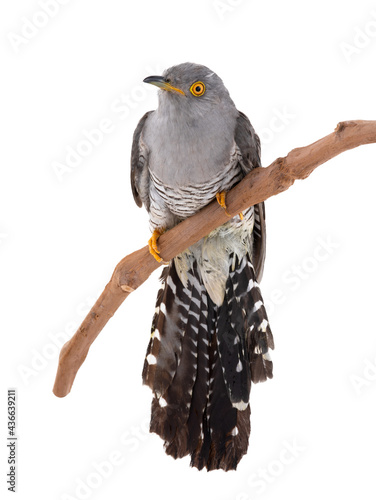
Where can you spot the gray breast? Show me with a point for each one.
(186, 149)
(185, 198)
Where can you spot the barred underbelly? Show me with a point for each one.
(185, 200)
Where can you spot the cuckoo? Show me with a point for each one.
(210, 335)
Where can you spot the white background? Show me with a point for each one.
(60, 238)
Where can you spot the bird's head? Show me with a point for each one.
(190, 86)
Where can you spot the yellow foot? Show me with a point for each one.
(153, 246)
(221, 198)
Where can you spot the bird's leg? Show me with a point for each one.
(153, 246)
(221, 198)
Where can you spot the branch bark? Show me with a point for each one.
(256, 187)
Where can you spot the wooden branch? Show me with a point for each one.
(256, 187)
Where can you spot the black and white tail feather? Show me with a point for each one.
(200, 363)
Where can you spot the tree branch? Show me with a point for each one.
(257, 186)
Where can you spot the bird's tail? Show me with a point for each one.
(201, 361)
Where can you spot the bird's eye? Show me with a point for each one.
(198, 89)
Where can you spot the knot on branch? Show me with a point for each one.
(342, 126)
(130, 273)
(282, 174)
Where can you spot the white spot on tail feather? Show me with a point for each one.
(239, 366)
(162, 402)
(156, 335)
(251, 284)
(263, 325)
(162, 308)
(267, 356)
(191, 313)
(257, 305)
(196, 301)
(241, 405)
(151, 359)
(243, 263)
(171, 284)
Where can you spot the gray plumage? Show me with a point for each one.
(183, 154)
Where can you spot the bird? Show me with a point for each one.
(210, 334)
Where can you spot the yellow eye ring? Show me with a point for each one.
(198, 89)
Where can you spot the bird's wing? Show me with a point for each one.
(139, 166)
(248, 143)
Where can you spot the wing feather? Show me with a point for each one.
(248, 143)
(139, 166)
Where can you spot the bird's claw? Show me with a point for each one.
(153, 245)
(221, 198)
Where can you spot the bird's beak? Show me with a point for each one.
(160, 82)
